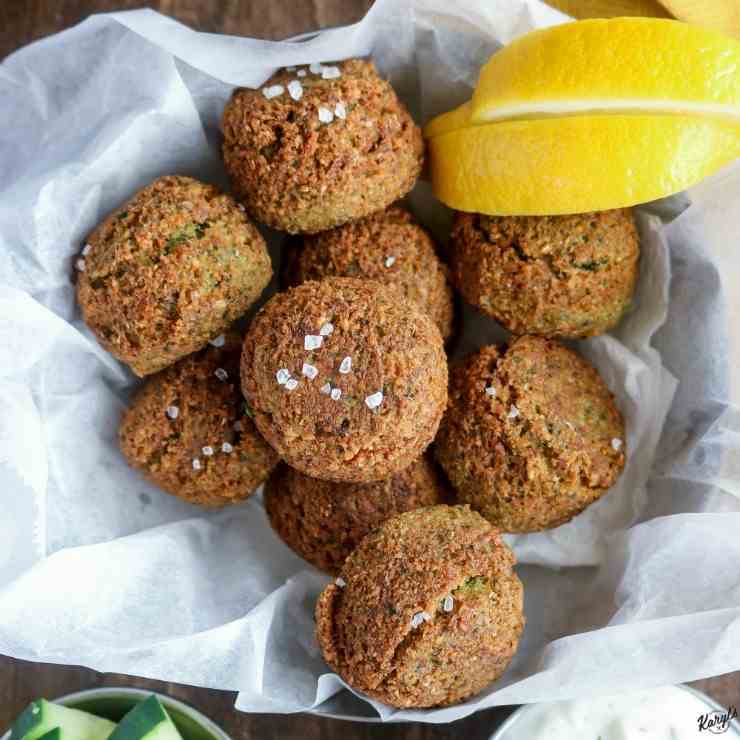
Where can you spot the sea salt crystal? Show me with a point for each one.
(173, 412)
(273, 91)
(316, 67)
(80, 264)
(340, 111)
(448, 603)
(221, 374)
(219, 341)
(374, 400)
(513, 412)
(196, 464)
(86, 250)
(390, 261)
(227, 448)
(301, 73)
(291, 384)
(208, 451)
(616, 444)
(345, 366)
(295, 89)
(340, 582)
(490, 391)
(330, 73)
(336, 394)
(325, 115)
(326, 388)
(309, 371)
(312, 341)
(282, 375)
(326, 329)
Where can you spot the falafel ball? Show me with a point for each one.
(531, 436)
(170, 270)
(324, 521)
(309, 153)
(554, 276)
(427, 610)
(347, 379)
(189, 432)
(388, 246)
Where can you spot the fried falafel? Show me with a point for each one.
(189, 432)
(307, 153)
(347, 379)
(388, 246)
(427, 610)
(324, 521)
(553, 276)
(170, 270)
(531, 436)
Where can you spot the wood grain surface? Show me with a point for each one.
(23, 21)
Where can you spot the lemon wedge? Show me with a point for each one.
(588, 116)
(576, 164)
(622, 64)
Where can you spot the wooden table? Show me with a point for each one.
(22, 21)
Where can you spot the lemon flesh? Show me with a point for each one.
(578, 163)
(622, 65)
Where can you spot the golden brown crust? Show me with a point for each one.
(170, 270)
(208, 412)
(427, 611)
(554, 276)
(388, 246)
(397, 359)
(324, 521)
(298, 174)
(546, 442)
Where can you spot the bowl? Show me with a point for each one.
(510, 729)
(113, 703)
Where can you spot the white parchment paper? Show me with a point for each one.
(98, 567)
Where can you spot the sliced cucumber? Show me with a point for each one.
(148, 720)
(42, 717)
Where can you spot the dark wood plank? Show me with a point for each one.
(23, 21)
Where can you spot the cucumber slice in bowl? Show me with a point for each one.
(146, 721)
(41, 718)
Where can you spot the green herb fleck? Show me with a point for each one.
(122, 215)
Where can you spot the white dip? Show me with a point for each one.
(667, 713)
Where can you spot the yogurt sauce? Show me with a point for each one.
(666, 713)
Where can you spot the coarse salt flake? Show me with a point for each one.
(227, 448)
(346, 365)
(312, 341)
(326, 329)
(86, 250)
(295, 89)
(207, 450)
(316, 67)
(374, 400)
(273, 91)
(616, 444)
(326, 388)
(340, 111)
(448, 603)
(219, 341)
(196, 464)
(291, 384)
(301, 72)
(80, 264)
(418, 618)
(490, 391)
(513, 412)
(221, 374)
(282, 375)
(335, 394)
(340, 582)
(309, 371)
(389, 261)
(325, 115)
(330, 73)
(241, 207)
(173, 412)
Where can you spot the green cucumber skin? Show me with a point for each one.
(42, 717)
(55, 734)
(147, 720)
(29, 719)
